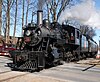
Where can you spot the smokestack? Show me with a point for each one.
(39, 17)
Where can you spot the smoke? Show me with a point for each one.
(84, 12)
(40, 4)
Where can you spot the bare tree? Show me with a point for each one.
(15, 20)
(56, 7)
(87, 31)
(91, 32)
(7, 5)
(27, 10)
(0, 15)
(23, 10)
(8, 20)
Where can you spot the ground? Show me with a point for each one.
(81, 71)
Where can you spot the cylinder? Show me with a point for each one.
(39, 17)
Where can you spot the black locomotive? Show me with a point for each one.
(46, 44)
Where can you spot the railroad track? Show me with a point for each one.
(89, 62)
(4, 72)
(8, 75)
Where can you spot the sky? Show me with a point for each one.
(97, 38)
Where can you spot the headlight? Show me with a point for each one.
(28, 32)
(39, 32)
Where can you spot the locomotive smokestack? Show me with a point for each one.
(39, 17)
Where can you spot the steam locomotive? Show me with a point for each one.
(47, 44)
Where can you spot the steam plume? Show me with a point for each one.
(40, 4)
(84, 12)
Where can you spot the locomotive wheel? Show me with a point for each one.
(39, 69)
(68, 56)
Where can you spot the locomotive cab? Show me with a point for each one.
(74, 34)
(72, 48)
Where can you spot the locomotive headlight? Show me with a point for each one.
(28, 32)
(39, 32)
